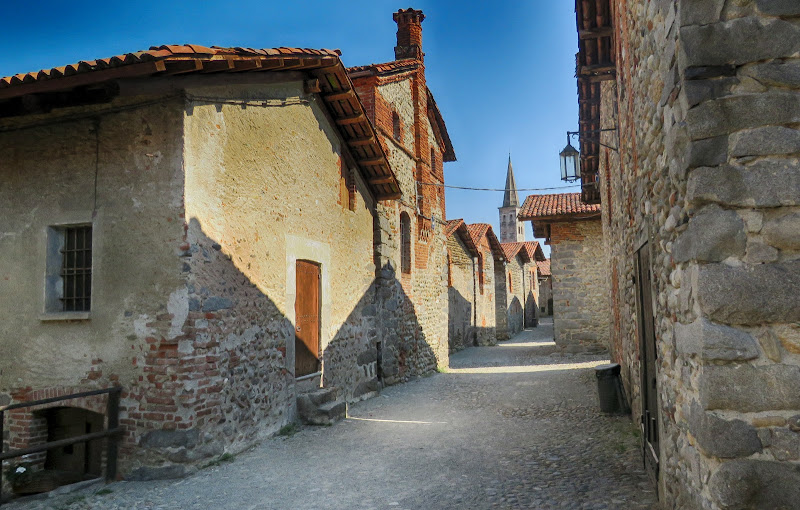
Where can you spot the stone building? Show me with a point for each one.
(545, 287)
(579, 273)
(186, 207)
(699, 181)
(462, 287)
(525, 272)
(490, 295)
(512, 230)
(411, 130)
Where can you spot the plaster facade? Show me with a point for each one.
(200, 205)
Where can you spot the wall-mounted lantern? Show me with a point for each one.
(570, 169)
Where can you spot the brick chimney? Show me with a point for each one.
(409, 34)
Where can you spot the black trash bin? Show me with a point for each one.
(608, 387)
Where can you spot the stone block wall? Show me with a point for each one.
(421, 343)
(515, 294)
(580, 286)
(461, 294)
(532, 293)
(485, 307)
(707, 101)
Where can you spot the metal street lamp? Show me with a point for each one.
(569, 162)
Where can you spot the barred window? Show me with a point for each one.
(68, 282)
(76, 269)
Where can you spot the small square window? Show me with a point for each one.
(69, 269)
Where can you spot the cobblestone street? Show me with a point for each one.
(511, 426)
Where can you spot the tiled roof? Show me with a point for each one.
(544, 267)
(480, 230)
(168, 53)
(451, 226)
(513, 249)
(395, 66)
(459, 228)
(403, 66)
(562, 204)
(534, 250)
(327, 74)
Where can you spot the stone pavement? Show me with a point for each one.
(510, 426)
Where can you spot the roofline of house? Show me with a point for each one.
(40, 92)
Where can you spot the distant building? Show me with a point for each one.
(579, 275)
(545, 287)
(462, 256)
(512, 230)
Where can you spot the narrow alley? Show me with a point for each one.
(511, 426)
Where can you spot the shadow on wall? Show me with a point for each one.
(381, 343)
(460, 311)
(515, 316)
(461, 327)
(217, 375)
(220, 383)
(531, 310)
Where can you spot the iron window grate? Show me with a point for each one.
(76, 269)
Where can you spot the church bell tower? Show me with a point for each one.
(511, 229)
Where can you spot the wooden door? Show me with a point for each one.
(306, 313)
(647, 358)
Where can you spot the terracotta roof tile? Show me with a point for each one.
(513, 249)
(562, 204)
(480, 230)
(451, 226)
(163, 60)
(543, 266)
(458, 227)
(394, 66)
(156, 53)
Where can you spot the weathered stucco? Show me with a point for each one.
(121, 173)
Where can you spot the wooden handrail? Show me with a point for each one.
(111, 434)
(115, 389)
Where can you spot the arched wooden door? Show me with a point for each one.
(306, 314)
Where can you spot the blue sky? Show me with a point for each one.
(502, 72)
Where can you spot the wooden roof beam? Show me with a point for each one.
(214, 66)
(372, 161)
(344, 121)
(357, 142)
(596, 33)
(337, 96)
(384, 179)
(183, 66)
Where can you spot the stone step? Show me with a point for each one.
(321, 407)
(322, 395)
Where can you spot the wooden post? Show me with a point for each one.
(112, 443)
